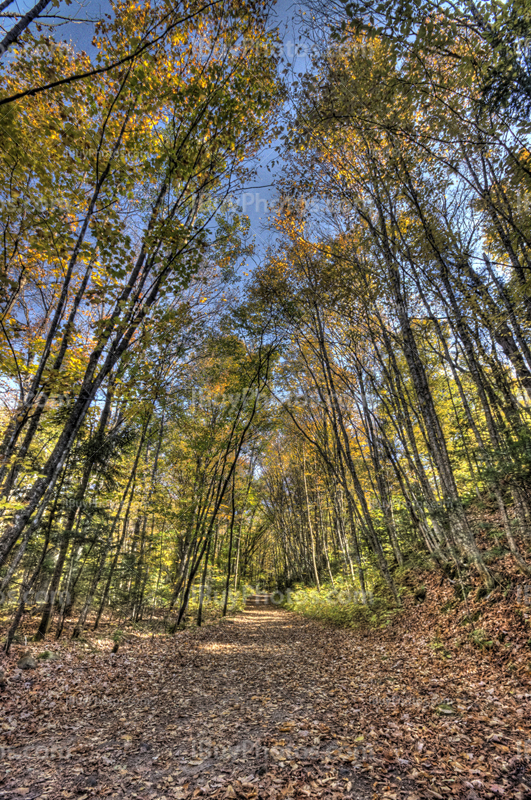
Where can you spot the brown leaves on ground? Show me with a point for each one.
(267, 705)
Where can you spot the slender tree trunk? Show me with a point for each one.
(203, 585)
(310, 527)
(229, 558)
(12, 35)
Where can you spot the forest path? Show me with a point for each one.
(266, 704)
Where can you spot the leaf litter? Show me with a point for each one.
(267, 704)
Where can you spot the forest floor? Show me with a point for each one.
(266, 704)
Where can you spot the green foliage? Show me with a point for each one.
(510, 464)
(420, 593)
(438, 646)
(462, 590)
(449, 605)
(118, 636)
(481, 640)
(468, 619)
(339, 605)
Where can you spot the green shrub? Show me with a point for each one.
(340, 605)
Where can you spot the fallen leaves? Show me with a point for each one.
(272, 707)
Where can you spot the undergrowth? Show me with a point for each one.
(340, 604)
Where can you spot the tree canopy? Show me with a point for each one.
(172, 433)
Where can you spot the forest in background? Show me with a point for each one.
(356, 409)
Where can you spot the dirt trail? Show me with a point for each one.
(264, 705)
